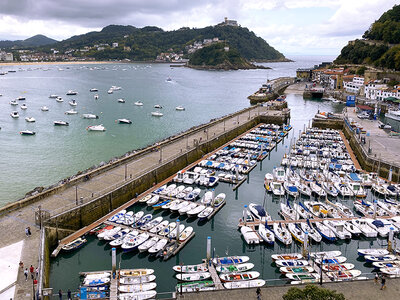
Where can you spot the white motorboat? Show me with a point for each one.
(158, 246)
(110, 91)
(392, 271)
(249, 235)
(190, 206)
(344, 209)
(341, 275)
(105, 235)
(291, 188)
(219, 200)
(245, 276)
(176, 191)
(235, 268)
(180, 108)
(30, 119)
(96, 128)
(134, 243)
(166, 231)
(303, 212)
(60, 123)
(174, 232)
(380, 258)
(318, 209)
(366, 230)
(190, 268)
(185, 234)
(207, 198)
(168, 189)
(124, 121)
(59, 99)
(148, 244)
(71, 112)
(193, 195)
(138, 103)
(331, 260)
(44, 108)
(73, 102)
(53, 96)
(132, 219)
(120, 100)
(151, 224)
(185, 192)
(343, 189)
(27, 132)
(338, 227)
(96, 97)
(277, 188)
(137, 288)
(279, 174)
(24, 106)
(330, 189)
(193, 276)
(205, 213)
(153, 200)
(156, 114)
(354, 230)
(372, 251)
(72, 93)
(304, 189)
(93, 90)
(378, 226)
(357, 189)
(159, 227)
(317, 189)
(14, 102)
(137, 279)
(90, 116)
(259, 212)
(338, 267)
(291, 263)
(158, 106)
(195, 211)
(287, 256)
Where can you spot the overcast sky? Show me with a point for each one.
(291, 26)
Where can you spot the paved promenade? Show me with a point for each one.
(358, 290)
(382, 145)
(15, 222)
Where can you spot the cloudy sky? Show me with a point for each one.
(291, 26)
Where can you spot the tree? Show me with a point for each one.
(361, 70)
(312, 292)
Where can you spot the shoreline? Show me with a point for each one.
(55, 63)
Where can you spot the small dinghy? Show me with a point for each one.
(384, 258)
(193, 276)
(291, 263)
(288, 256)
(296, 270)
(148, 244)
(27, 132)
(117, 235)
(190, 268)
(266, 234)
(138, 103)
(117, 216)
(44, 108)
(134, 288)
(235, 268)
(186, 233)
(119, 241)
(137, 279)
(395, 271)
(205, 213)
(97, 275)
(196, 286)
(146, 198)
(158, 246)
(374, 252)
(174, 232)
(151, 223)
(75, 244)
(303, 276)
(330, 261)
(60, 123)
(135, 272)
(120, 100)
(190, 206)
(96, 282)
(134, 243)
(195, 211)
(391, 264)
(156, 114)
(153, 200)
(230, 260)
(145, 219)
(124, 121)
(338, 267)
(343, 275)
(159, 227)
(244, 284)
(96, 128)
(90, 116)
(326, 254)
(168, 229)
(226, 277)
(30, 119)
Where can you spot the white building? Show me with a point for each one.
(381, 94)
(371, 89)
(4, 56)
(354, 85)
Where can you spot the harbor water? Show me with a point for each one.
(57, 152)
(226, 239)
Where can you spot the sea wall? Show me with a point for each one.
(40, 193)
(86, 214)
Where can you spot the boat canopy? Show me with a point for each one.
(260, 210)
(378, 223)
(354, 177)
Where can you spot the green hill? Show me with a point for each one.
(380, 47)
(34, 41)
(148, 42)
(216, 57)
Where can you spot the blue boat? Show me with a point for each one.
(147, 218)
(158, 205)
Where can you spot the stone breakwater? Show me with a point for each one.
(271, 90)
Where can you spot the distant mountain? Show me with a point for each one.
(148, 42)
(380, 46)
(34, 41)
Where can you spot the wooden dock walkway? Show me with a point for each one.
(114, 288)
(317, 269)
(350, 151)
(214, 276)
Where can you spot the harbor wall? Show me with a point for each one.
(40, 193)
(367, 162)
(88, 213)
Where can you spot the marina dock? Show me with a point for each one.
(215, 278)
